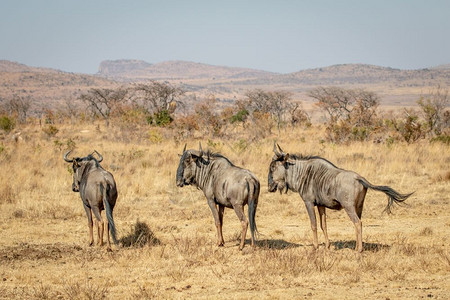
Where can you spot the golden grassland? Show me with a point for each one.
(44, 252)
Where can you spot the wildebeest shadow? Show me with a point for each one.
(276, 244)
(139, 236)
(373, 247)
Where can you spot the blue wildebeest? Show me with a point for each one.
(224, 185)
(320, 183)
(98, 191)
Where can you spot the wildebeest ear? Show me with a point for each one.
(287, 159)
(193, 157)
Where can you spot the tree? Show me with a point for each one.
(18, 107)
(208, 117)
(104, 101)
(157, 98)
(274, 103)
(350, 113)
(433, 108)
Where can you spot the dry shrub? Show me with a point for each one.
(86, 290)
(140, 236)
(144, 293)
(322, 260)
(427, 231)
(282, 262)
(7, 194)
(193, 248)
(295, 262)
(442, 177)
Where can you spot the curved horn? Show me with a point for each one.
(100, 157)
(200, 148)
(275, 150)
(65, 157)
(281, 150)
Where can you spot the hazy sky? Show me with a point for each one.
(279, 36)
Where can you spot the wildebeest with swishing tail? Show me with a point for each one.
(320, 183)
(224, 185)
(98, 192)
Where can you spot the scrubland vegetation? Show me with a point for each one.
(167, 233)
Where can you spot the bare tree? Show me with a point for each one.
(18, 106)
(72, 109)
(345, 104)
(157, 96)
(105, 101)
(299, 115)
(336, 102)
(275, 103)
(433, 108)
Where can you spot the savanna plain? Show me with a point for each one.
(167, 234)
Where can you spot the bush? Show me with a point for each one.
(162, 118)
(50, 130)
(7, 123)
(445, 139)
(240, 116)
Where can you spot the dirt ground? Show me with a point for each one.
(168, 235)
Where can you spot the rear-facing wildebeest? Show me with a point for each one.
(320, 183)
(224, 185)
(98, 191)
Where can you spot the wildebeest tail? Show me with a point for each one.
(394, 196)
(109, 213)
(253, 195)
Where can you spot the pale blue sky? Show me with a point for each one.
(279, 36)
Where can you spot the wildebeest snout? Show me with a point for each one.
(180, 182)
(75, 187)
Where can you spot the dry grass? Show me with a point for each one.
(170, 251)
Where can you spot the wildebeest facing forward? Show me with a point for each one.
(224, 185)
(322, 184)
(98, 191)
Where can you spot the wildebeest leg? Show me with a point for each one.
(221, 211)
(99, 222)
(90, 225)
(239, 209)
(358, 227)
(215, 213)
(312, 218)
(323, 224)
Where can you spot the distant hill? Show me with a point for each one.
(172, 70)
(51, 87)
(44, 86)
(10, 66)
(440, 67)
(361, 74)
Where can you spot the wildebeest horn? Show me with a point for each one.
(281, 150)
(100, 157)
(200, 148)
(275, 150)
(65, 157)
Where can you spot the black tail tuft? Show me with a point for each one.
(393, 196)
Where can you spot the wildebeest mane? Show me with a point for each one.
(210, 154)
(310, 157)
